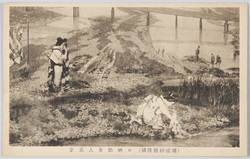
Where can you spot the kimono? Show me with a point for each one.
(57, 62)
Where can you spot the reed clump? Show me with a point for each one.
(216, 92)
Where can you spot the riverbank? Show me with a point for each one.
(34, 15)
(227, 137)
(103, 98)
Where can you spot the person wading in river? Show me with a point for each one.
(218, 61)
(58, 59)
(212, 60)
(197, 52)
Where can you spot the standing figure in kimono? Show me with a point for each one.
(58, 59)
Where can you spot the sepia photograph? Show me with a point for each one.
(152, 79)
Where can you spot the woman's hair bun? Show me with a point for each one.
(59, 41)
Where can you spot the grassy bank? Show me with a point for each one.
(83, 114)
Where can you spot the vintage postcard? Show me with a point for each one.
(116, 79)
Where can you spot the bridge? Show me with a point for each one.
(76, 13)
(201, 14)
(231, 14)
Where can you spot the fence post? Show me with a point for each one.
(28, 52)
(226, 26)
(112, 14)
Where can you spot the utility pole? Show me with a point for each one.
(200, 23)
(148, 19)
(112, 14)
(28, 52)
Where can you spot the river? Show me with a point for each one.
(180, 41)
(183, 40)
(227, 137)
(66, 26)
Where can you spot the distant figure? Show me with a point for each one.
(158, 51)
(197, 52)
(212, 60)
(163, 51)
(218, 61)
(235, 55)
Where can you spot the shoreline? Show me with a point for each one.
(137, 140)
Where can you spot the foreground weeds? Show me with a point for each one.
(222, 95)
(212, 92)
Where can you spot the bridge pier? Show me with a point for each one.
(200, 23)
(176, 33)
(148, 19)
(176, 21)
(226, 26)
(75, 11)
(112, 14)
(200, 36)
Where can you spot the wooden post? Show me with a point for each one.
(200, 23)
(200, 35)
(28, 50)
(176, 21)
(148, 19)
(176, 33)
(226, 26)
(112, 14)
(75, 11)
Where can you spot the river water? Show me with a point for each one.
(67, 26)
(180, 41)
(183, 40)
(227, 137)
